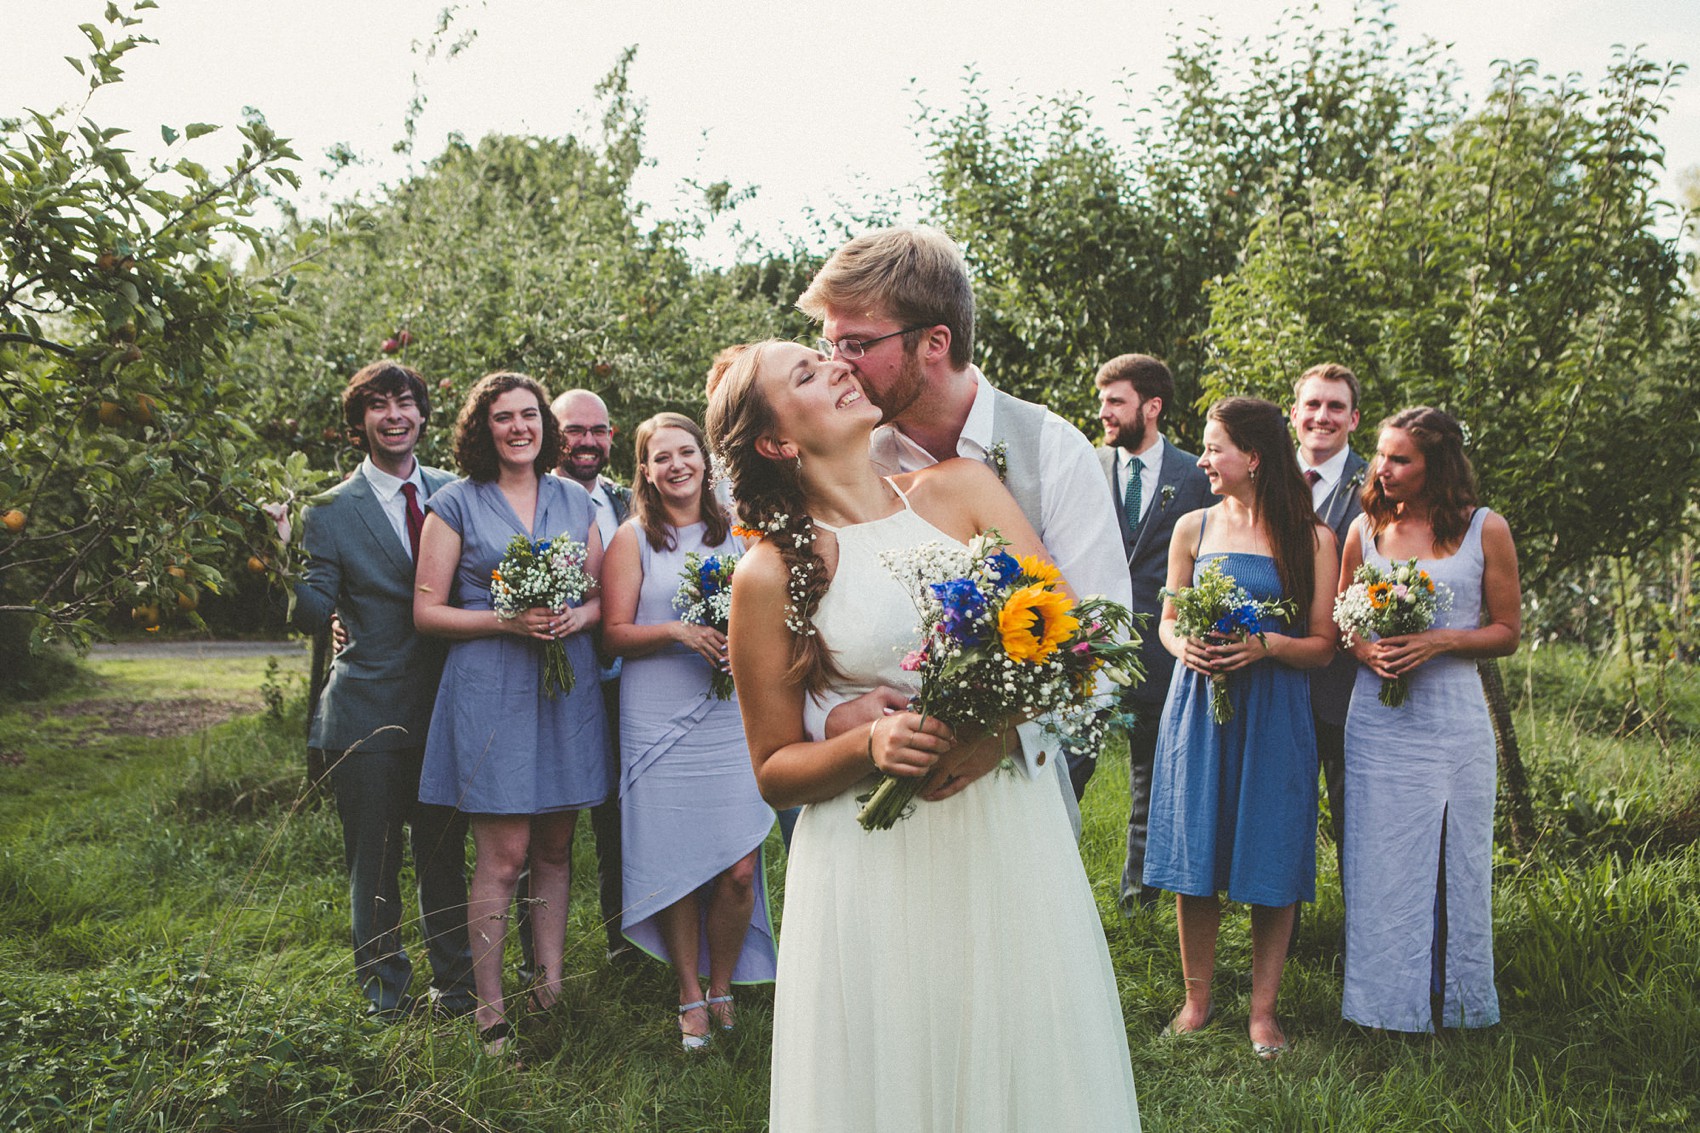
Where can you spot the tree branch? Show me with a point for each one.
(58, 348)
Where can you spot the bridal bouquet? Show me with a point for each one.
(1216, 608)
(1401, 599)
(548, 572)
(704, 597)
(1000, 638)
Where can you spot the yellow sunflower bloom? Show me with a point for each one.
(1041, 571)
(1034, 622)
(1379, 593)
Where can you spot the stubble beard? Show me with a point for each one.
(896, 398)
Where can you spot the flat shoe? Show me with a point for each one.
(1169, 1031)
(1269, 1053)
(495, 1037)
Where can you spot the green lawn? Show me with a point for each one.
(172, 930)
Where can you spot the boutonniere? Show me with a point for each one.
(1357, 479)
(1167, 497)
(1000, 459)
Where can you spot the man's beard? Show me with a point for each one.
(1128, 437)
(570, 469)
(902, 393)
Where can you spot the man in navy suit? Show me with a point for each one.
(1154, 484)
(361, 539)
(1325, 411)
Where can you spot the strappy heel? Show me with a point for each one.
(722, 1021)
(689, 1041)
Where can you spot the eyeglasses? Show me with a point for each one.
(851, 349)
(579, 432)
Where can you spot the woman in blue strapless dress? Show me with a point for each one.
(1233, 805)
(692, 819)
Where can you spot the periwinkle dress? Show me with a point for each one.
(1419, 830)
(497, 745)
(1233, 806)
(689, 806)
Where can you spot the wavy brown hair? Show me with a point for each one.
(647, 507)
(738, 416)
(1449, 479)
(1280, 496)
(475, 448)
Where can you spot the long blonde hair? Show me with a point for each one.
(650, 512)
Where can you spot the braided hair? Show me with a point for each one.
(770, 500)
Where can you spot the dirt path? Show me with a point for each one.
(195, 650)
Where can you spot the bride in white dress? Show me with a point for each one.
(950, 973)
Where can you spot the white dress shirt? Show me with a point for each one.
(1077, 524)
(1151, 461)
(388, 490)
(604, 511)
(1329, 470)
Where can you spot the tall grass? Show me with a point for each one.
(173, 939)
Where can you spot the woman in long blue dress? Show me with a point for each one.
(520, 764)
(1419, 832)
(692, 821)
(1233, 805)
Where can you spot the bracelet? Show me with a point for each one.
(871, 728)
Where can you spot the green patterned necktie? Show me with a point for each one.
(1135, 486)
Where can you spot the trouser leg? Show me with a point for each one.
(1331, 753)
(368, 786)
(439, 862)
(1141, 753)
(605, 830)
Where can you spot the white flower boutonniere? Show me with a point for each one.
(1000, 459)
(1167, 497)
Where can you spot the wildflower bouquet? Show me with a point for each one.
(1000, 638)
(1401, 599)
(704, 598)
(1216, 608)
(548, 572)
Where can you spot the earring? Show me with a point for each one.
(799, 464)
(1254, 475)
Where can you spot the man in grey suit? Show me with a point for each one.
(586, 441)
(361, 539)
(1154, 483)
(1325, 411)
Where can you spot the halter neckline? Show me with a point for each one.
(836, 528)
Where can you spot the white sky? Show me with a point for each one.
(813, 103)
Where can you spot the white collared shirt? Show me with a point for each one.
(1151, 461)
(388, 490)
(604, 511)
(1329, 471)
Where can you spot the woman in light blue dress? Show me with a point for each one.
(1419, 832)
(692, 821)
(1233, 805)
(520, 764)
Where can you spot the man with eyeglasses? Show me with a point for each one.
(897, 305)
(586, 440)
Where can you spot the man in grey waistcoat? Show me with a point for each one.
(1153, 483)
(361, 539)
(897, 305)
(1325, 411)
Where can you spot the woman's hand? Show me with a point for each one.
(707, 641)
(1236, 653)
(1397, 656)
(1196, 655)
(969, 762)
(907, 743)
(537, 623)
(573, 619)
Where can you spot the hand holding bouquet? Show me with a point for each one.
(547, 573)
(1000, 639)
(704, 598)
(1402, 599)
(1217, 608)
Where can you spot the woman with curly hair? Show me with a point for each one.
(951, 972)
(1419, 832)
(520, 765)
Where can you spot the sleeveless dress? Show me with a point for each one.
(1419, 830)
(949, 973)
(497, 745)
(1233, 806)
(689, 807)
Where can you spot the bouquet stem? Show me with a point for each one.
(720, 683)
(890, 801)
(557, 670)
(1394, 690)
(1221, 708)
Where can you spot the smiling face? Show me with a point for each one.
(391, 424)
(1228, 466)
(516, 428)
(674, 463)
(1401, 469)
(817, 403)
(1128, 419)
(586, 437)
(890, 372)
(1323, 418)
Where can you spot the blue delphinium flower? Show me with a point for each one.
(963, 607)
(707, 576)
(1002, 567)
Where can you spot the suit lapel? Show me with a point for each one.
(378, 528)
(1107, 458)
(1168, 477)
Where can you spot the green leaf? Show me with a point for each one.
(198, 129)
(168, 134)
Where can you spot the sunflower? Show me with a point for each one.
(1379, 594)
(1034, 622)
(1040, 571)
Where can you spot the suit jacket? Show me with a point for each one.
(383, 685)
(1331, 687)
(1181, 487)
(621, 497)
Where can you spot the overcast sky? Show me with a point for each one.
(810, 102)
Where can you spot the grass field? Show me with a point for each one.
(173, 941)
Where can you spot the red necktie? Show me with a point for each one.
(1312, 476)
(415, 517)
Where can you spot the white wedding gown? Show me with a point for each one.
(949, 973)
